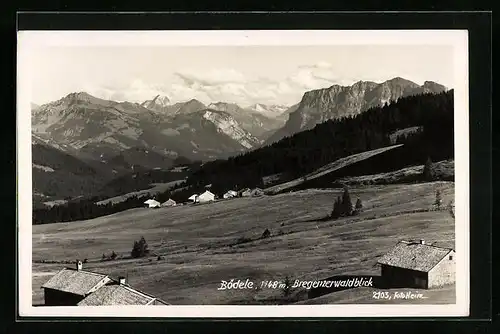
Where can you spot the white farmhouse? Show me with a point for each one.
(207, 196)
(151, 203)
(230, 194)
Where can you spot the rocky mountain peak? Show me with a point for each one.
(161, 100)
(337, 101)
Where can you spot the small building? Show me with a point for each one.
(418, 265)
(230, 194)
(151, 203)
(77, 287)
(193, 198)
(207, 196)
(118, 292)
(169, 202)
(71, 285)
(247, 192)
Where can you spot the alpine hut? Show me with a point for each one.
(77, 287)
(118, 292)
(207, 196)
(151, 203)
(169, 202)
(418, 265)
(230, 194)
(247, 192)
(71, 285)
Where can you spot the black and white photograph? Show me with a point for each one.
(242, 172)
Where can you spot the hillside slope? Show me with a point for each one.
(57, 175)
(200, 242)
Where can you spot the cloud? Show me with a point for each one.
(212, 77)
(134, 91)
(319, 65)
(228, 85)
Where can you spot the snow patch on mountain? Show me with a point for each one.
(272, 111)
(158, 103)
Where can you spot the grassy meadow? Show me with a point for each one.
(200, 247)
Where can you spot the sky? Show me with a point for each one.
(237, 74)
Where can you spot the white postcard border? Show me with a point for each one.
(28, 41)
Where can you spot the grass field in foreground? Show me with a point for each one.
(197, 241)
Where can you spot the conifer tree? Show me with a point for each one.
(438, 201)
(427, 172)
(346, 203)
(359, 206)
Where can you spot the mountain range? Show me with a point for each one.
(334, 102)
(108, 139)
(94, 128)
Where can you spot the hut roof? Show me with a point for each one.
(74, 281)
(414, 256)
(152, 202)
(207, 193)
(169, 202)
(119, 294)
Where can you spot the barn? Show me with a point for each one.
(418, 265)
(207, 196)
(193, 198)
(71, 285)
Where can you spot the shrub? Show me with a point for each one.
(266, 234)
(113, 255)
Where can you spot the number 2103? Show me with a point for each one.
(381, 295)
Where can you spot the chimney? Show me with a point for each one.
(422, 241)
(79, 265)
(122, 280)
